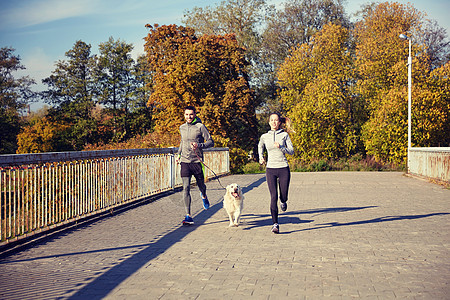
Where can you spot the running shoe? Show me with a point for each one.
(283, 206)
(188, 220)
(205, 201)
(275, 228)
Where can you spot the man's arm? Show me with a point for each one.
(208, 142)
(178, 155)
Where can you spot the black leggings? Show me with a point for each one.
(284, 176)
(187, 170)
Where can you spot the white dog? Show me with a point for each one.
(233, 202)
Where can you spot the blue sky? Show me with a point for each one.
(42, 31)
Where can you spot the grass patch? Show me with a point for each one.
(253, 168)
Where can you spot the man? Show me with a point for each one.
(194, 138)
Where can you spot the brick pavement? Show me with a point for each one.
(345, 235)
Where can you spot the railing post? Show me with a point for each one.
(172, 168)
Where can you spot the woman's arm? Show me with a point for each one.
(261, 150)
(288, 148)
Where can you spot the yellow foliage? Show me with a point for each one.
(379, 48)
(39, 137)
(315, 83)
(381, 61)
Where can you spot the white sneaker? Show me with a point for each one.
(275, 228)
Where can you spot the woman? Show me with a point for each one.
(278, 174)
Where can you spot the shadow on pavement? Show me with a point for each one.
(292, 217)
(371, 221)
(73, 253)
(106, 282)
(255, 184)
(377, 220)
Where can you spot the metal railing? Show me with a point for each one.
(42, 191)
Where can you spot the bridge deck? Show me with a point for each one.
(345, 235)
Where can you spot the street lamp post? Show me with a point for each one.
(405, 37)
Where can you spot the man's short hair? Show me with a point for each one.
(190, 107)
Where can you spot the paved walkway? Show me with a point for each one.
(345, 235)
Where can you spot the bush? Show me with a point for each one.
(355, 163)
(238, 159)
(253, 168)
(312, 166)
(368, 163)
(321, 165)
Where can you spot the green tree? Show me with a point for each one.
(140, 117)
(114, 76)
(15, 94)
(114, 73)
(71, 87)
(124, 88)
(316, 83)
(208, 72)
(71, 91)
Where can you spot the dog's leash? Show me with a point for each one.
(203, 163)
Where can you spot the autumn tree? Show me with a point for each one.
(246, 20)
(431, 109)
(316, 82)
(208, 72)
(15, 94)
(42, 135)
(296, 24)
(239, 17)
(381, 58)
(287, 28)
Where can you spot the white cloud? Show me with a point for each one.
(28, 13)
(38, 66)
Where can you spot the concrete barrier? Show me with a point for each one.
(432, 163)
